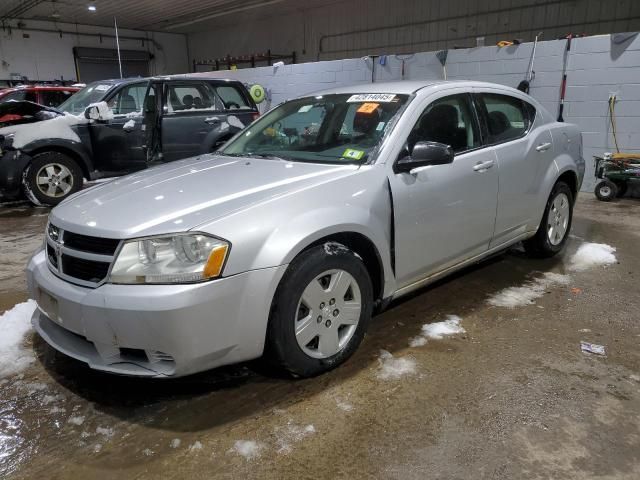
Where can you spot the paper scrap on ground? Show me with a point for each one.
(525, 294)
(587, 347)
(14, 325)
(392, 368)
(591, 255)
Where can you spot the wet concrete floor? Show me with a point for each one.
(513, 398)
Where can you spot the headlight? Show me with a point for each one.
(183, 258)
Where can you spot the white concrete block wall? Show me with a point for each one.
(596, 68)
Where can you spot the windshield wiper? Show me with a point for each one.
(268, 156)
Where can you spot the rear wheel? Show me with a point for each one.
(606, 190)
(554, 228)
(51, 177)
(320, 312)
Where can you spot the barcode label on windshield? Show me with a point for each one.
(371, 97)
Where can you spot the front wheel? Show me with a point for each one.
(320, 312)
(555, 226)
(51, 177)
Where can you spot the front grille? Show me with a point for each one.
(102, 246)
(80, 259)
(87, 270)
(51, 255)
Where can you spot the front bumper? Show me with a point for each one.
(12, 165)
(154, 330)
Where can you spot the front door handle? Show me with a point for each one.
(212, 120)
(483, 166)
(543, 147)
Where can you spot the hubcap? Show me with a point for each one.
(328, 313)
(558, 219)
(605, 190)
(54, 180)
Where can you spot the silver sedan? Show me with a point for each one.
(283, 243)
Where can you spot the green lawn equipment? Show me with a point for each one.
(615, 170)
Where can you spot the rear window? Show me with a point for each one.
(508, 117)
(232, 97)
(189, 96)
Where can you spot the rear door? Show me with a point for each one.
(522, 143)
(118, 143)
(444, 214)
(188, 116)
(236, 102)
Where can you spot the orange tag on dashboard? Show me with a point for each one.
(368, 107)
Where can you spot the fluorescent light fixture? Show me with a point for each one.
(91, 8)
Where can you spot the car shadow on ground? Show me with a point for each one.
(227, 394)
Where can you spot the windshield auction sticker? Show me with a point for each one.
(372, 97)
(353, 154)
(368, 107)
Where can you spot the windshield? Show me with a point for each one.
(79, 101)
(331, 128)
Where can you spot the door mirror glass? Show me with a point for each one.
(425, 154)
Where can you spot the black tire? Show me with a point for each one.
(282, 350)
(61, 165)
(540, 245)
(606, 190)
(622, 188)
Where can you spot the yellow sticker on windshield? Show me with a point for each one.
(353, 154)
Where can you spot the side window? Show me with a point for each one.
(232, 98)
(188, 96)
(128, 99)
(507, 117)
(448, 120)
(53, 98)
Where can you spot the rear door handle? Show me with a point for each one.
(543, 147)
(483, 166)
(212, 120)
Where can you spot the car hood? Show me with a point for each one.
(181, 195)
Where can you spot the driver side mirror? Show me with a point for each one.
(92, 112)
(425, 154)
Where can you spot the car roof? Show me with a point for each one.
(408, 87)
(38, 87)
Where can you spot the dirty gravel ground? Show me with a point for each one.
(513, 398)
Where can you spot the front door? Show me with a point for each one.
(118, 143)
(445, 214)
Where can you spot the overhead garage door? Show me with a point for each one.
(102, 63)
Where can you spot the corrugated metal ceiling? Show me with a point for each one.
(159, 15)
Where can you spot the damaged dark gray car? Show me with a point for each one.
(115, 127)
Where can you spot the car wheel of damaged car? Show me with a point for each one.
(51, 177)
(320, 312)
(554, 229)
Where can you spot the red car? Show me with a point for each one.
(47, 96)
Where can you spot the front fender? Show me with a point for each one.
(76, 150)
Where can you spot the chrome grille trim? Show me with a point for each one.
(60, 250)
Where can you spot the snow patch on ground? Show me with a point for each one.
(195, 446)
(290, 434)
(175, 443)
(248, 449)
(78, 420)
(418, 341)
(392, 368)
(591, 255)
(56, 409)
(344, 405)
(439, 330)
(526, 294)
(106, 431)
(147, 452)
(14, 325)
